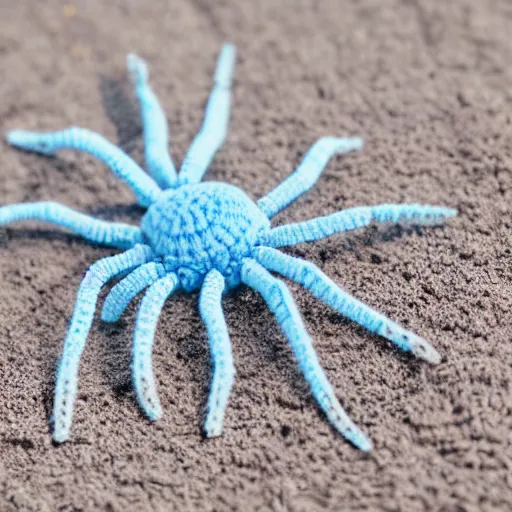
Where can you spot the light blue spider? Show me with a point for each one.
(208, 236)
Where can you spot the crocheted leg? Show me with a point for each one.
(220, 347)
(122, 236)
(95, 278)
(142, 366)
(158, 160)
(307, 173)
(354, 218)
(323, 288)
(280, 302)
(128, 288)
(145, 189)
(213, 132)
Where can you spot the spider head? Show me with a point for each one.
(197, 228)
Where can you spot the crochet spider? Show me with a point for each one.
(207, 236)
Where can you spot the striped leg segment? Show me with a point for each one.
(210, 308)
(142, 366)
(213, 132)
(128, 288)
(122, 236)
(67, 377)
(308, 172)
(280, 302)
(156, 132)
(354, 218)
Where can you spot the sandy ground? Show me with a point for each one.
(429, 88)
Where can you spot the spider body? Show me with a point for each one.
(208, 237)
(202, 227)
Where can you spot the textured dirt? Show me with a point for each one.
(428, 84)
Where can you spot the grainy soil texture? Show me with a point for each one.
(429, 87)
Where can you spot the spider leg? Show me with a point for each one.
(280, 302)
(147, 318)
(220, 348)
(307, 173)
(158, 160)
(312, 278)
(213, 132)
(125, 291)
(145, 189)
(95, 278)
(98, 231)
(353, 218)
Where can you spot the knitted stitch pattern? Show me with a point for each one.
(198, 228)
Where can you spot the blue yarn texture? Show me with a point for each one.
(209, 237)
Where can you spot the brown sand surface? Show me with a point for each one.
(428, 85)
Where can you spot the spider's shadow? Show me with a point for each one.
(374, 235)
(117, 339)
(114, 212)
(122, 110)
(355, 241)
(49, 366)
(12, 235)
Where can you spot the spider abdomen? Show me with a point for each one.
(197, 228)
